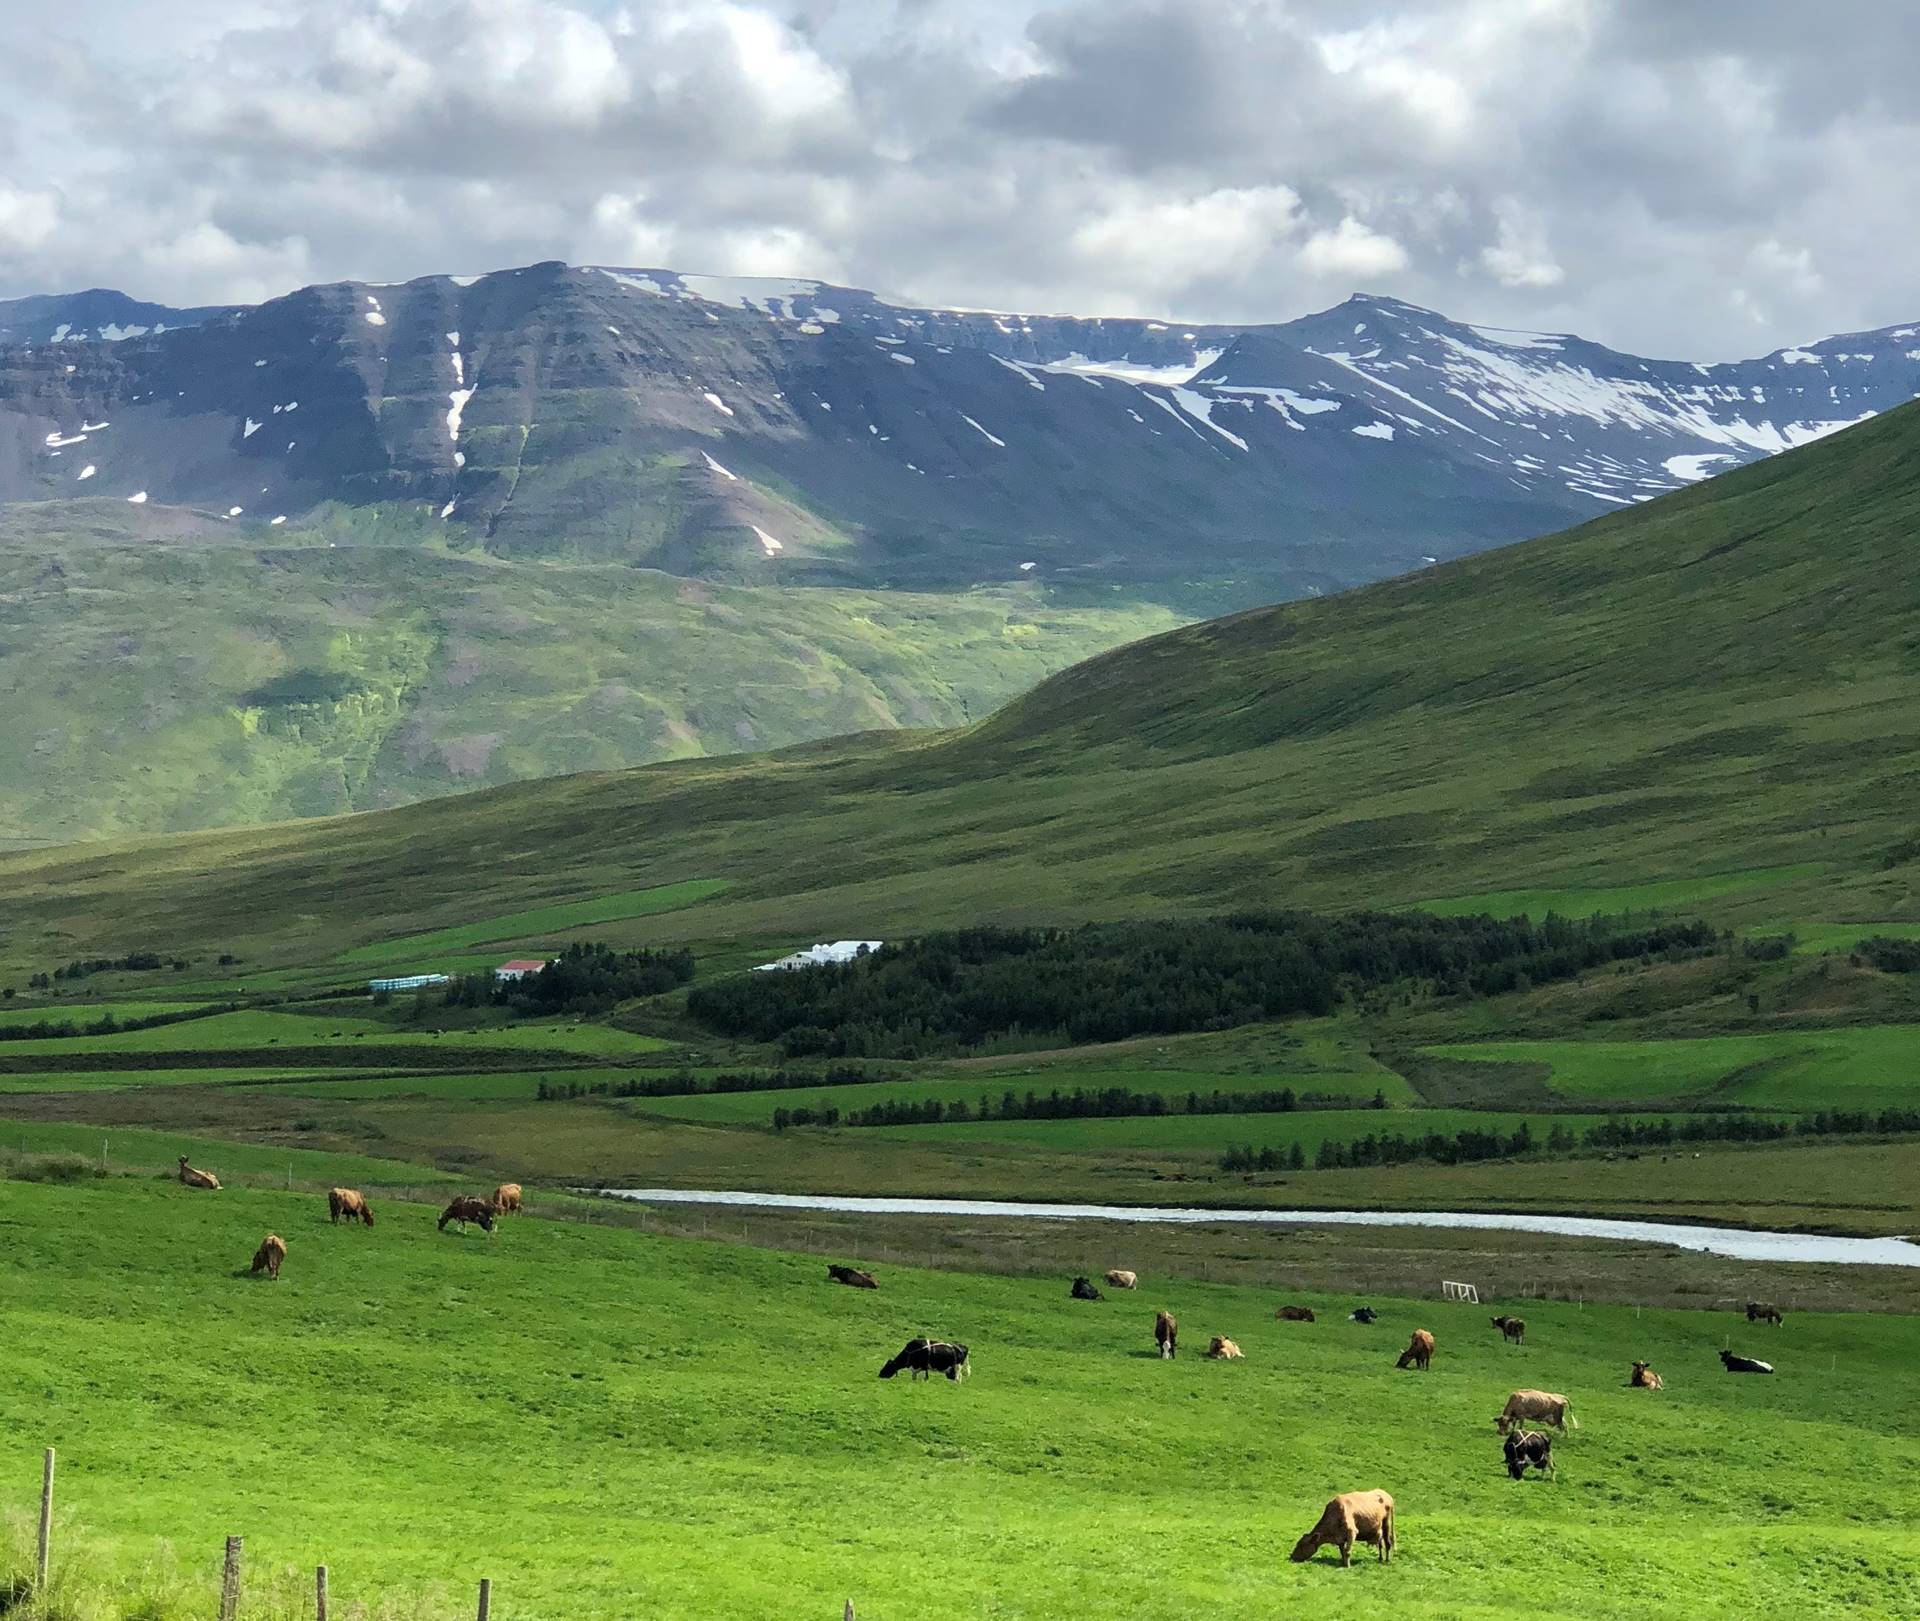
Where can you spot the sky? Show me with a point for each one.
(1676, 179)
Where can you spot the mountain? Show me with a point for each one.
(97, 315)
(1712, 693)
(534, 439)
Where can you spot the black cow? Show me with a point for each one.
(1526, 1447)
(924, 1358)
(1365, 1314)
(1084, 1290)
(1743, 1364)
(852, 1277)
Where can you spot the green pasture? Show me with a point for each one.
(1660, 895)
(537, 924)
(15, 1014)
(139, 1149)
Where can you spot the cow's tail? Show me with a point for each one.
(1572, 1422)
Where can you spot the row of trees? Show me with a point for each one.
(685, 1083)
(1106, 981)
(107, 1024)
(1107, 1102)
(587, 977)
(85, 967)
(1889, 955)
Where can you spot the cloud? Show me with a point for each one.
(1629, 169)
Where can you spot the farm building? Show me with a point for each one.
(519, 968)
(814, 956)
(407, 982)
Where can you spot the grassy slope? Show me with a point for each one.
(695, 1430)
(1717, 682)
(145, 698)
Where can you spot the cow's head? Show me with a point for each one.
(1306, 1547)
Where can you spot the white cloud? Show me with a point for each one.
(28, 219)
(1352, 251)
(1520, 256)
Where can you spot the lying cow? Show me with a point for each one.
(1644, 1378)
(1117, 1279)
(1536, 1407)
(1363, 1314)
(197, 1179)
(1222, 1349)
(852, 1277)
(1349, 1518)
(1743, 1364)
(1166, 1334)
(1512, 1329)
(923, 1358)
(1759, 1311)
(267, 1258)
(468, 1207)
(1419, 1351)
(1526, 1447)
(1083, 1290)
(1293, 1314)
(350, 1204)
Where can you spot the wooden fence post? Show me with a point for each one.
(486, 1598)
(320, 1592)
(46, 1523)
(230, 1579)
(849, 1615)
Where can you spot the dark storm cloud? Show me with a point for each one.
(1680, 179)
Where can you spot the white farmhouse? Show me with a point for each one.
(814, 956)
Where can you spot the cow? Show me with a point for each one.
(1166, 1334)
(468, 1207)
(350, 1203)
(1293, 1314)
(1363, 1314)
(852, 1277)
(923, 1358)
(197, 1179)
(1526, 1447)
(1349, 1518)
(1117, 1279)
(1419, 1351)
(1083, 1290)
(1644, 1378)
(1222, 1349)
(506, 1198)
(1512, 1329)
(1536, 1407)
(1759, 1311)
(1743, 1364)
(267, 1258)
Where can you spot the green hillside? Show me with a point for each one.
(1716, 688)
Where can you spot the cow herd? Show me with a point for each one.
(350, 1205)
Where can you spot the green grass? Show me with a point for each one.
(1867, 1067)
(1677, 894)
(1810, 939)
(85, 1013)
(142, 1150)
(541, 923)
(707, 1438)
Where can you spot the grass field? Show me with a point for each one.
(1677, 894)
(695, 1430)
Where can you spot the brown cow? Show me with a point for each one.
(1536, 1407)
(196, 1179)
(350, 1203)
(1512, 1329)
(1166, 1334)
(852, 1277)
(506, 1198)
(1419, 1351)
(1759, 1311)
(468, 1207)
(1117, 1279)
(1222, 1349)
(1349, 1518)
(1293, 1314)
(1644, 1378)
(267, 1258)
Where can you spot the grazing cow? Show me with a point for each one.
(1116, 1279)
(852, 1277)
(197, 1179)
(1743, 1364)
(1363, 1314)
(267, 1258)
(1349, 1518)
(1166, 1334)
(1526, 1447)
(1293, 1314)
(468, 1207)
(1222, 1349)
(923, 1358)
(1644, 1378)
(506, 1198)
(350, 1203)
(1419, 1351)
(1536, 1407)
(1512, 1329)
(1083, 1290)
(1759, 1311)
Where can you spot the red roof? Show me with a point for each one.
(525, 965)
